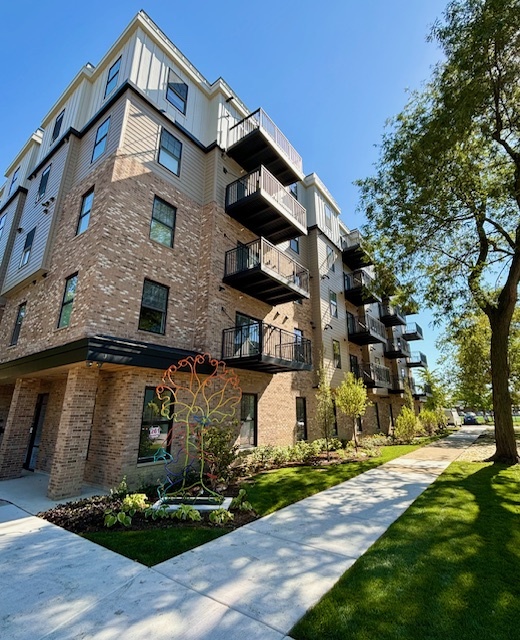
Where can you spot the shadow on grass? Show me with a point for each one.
(448, 568)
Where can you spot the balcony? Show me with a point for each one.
(365, 330)
(263, 347)
(398, 384)
(391, 315)
(413, 332)
(422, 392)
(256, 140)
(355, 255)
(397, 348)
(373, 375)
(417, 359)
(263, 205)
(360, 288)
(266, 273)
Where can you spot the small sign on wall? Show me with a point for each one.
(155, 432)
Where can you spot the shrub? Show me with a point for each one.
(406, 425)
(220, 516)
(221, 453)
(239, 502)
(429, 421)
(187, 512)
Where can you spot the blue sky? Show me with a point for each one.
(329, 73)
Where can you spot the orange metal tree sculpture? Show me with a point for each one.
(205, 395)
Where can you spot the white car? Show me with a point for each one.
(454, 420)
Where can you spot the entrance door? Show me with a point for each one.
(36, 432)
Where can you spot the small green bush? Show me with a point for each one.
(187, 512)
(220, 516)
(406, 426)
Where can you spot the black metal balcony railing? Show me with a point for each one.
(397, 348)
(264, 347)
(373, 375)
(417, 359)
(260, 124)
(260, 202)
(360, 288)
(263, 271)
(391, 315)
(413, 332)
(365, 330)
(422, 391)
(399, 383)
(354, 251)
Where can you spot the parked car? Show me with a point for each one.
(470, 418)
(454, 420)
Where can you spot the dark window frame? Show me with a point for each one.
(254, 396)
(57, 126)
(44, 181)
(294, 245)
(22, 309)
(162, 223)
(336, 353)
(164, 151)
(85, 213)
(112, 78)
(67, 302)
(331, 259)
(27, 248)
(333, 303)
(14, 180)
(148, 308)
(148, 422)
(301, 417)
(174, 94)
(100, 141)
(3, 218)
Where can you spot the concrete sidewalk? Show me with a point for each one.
(253, 583)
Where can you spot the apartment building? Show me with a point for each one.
(150, 217)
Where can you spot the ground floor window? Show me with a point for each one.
(248, 421)
(154, 427)
(378, 422)
(301, 419)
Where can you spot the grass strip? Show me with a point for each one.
(447, 568)
(151, 546)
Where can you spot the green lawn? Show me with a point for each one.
(152, 546)
(273, 490)
(449, 568)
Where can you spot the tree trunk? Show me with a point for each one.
(506, 449)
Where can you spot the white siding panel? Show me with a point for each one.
(33, 216)
(26, 164)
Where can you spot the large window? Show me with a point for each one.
(336, 354)
(247, 336)
(26, 253)
(113, 74)
(153, 307)
(333, 304)
(43, 182)
(154, 427)
(170, 150)
(84, 214)
(101, 140)
(301, 419)
(162, 227)
(328, 216)
(57, 126)
(18, 323)
(294, 244)
(68, 300)
(14, 180)
(331, 257)
(248, 421)
(2, 223)
(177, 91)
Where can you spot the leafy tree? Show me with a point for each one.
(437, 396)
(445, 199)
(352, 399)
(325, 418)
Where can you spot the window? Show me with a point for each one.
(293, 188)
(294, 244)
(333, 303)
(113, 74)
(248, 421)
(162, 228)
(68, 300)
(154, 426)
(14, 180)
(177, 91)
(336, 354)
(57, 126)
(301, 419)
(331, 257)
(101, 140)
(376, 407)
(2, 223)
(84, 215)
(18, 324)
(43, 182)
(153, 307)
(354, 366)
(26, 253)
(299, 346)
(328, 216)
(247, 336)
(170, 150)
